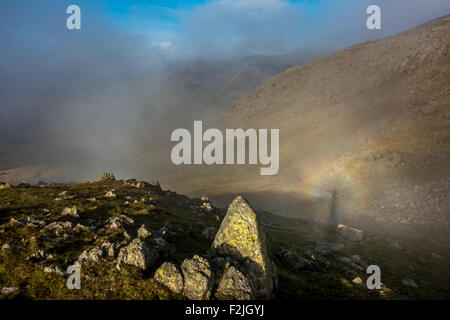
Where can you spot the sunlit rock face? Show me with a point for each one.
(242, 239)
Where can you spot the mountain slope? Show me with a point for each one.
(369, 121)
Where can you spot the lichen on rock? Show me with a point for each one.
(137, 254)
(234, 285)
(169, 276)
(198, 278)
(241, 238)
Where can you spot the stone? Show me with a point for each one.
(137, 254)
(59, 225)
(292, 259)
(15, 222)
(72, 212)
(152, 185)
(198, 278)
(234, 285)
(118, 222)
(24, 184)
(350, 233)
(241, 238)
(169, 276)
(207, 207)
(110, 194)
(5, 185)
(9, 290)
(409, 283)
(96, 254)
(144, 232)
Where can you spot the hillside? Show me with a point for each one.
(123, 233)
(371, 122)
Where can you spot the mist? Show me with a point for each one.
(98, 99)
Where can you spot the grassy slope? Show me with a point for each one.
(177, 212)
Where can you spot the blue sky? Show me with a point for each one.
(245, 27)
(219, 28)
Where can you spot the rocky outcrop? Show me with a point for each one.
(118, 222)
(87, 257)
(107, 177)
(242, 239)
(137, 254)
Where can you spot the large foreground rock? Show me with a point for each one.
(242, 239)
(198, 278)
(234, 285)
(169, 276)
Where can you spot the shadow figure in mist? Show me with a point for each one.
(333, 212)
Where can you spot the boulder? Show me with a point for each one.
(207, 207)
(4, 185)
(198, 278)
(59, 225)
(409, 283)
(144, 232)
(234, 285)
(169, 276)
(350, 233)
(110, 194)
(72, 212)
(292, 259)
(118, 222)
(137, 254)
(242, 239)
(9, 290)
(152, 185)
